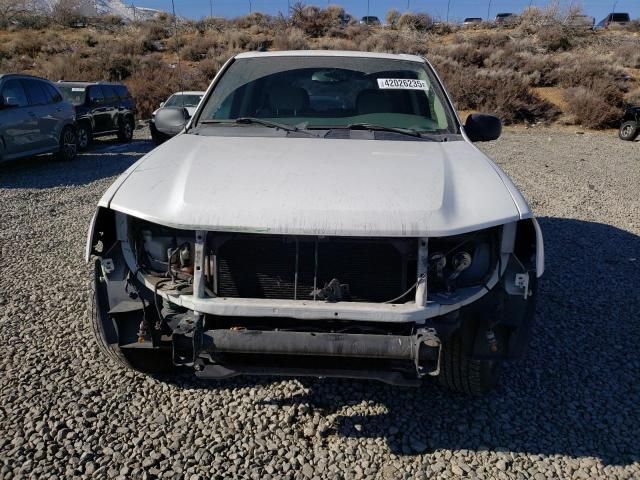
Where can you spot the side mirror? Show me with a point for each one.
(482, 128)
(9, 102)
(171, 120)
(161, 104)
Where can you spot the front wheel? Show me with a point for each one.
(84, 136)
(125, 133)
(629, 131)
(464, 375)
(68, 149)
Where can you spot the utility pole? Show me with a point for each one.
(448, 5)
(211, 8)
(367, 10)
(489, 11)
(408, 5)
(615, 4)
(175, 33)
(250, 7)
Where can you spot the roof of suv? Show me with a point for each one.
(86, 84)
(25, 75)
(330, 53)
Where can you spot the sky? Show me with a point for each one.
(458, 9)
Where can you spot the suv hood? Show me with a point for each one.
(310, 186)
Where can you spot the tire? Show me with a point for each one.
(85, 136)
(461, 374)
(151, 362)
(68, 149)
(629, 131)
(125, 133)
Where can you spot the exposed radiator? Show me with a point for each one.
(252, 266)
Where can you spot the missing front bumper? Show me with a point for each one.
(220, 353)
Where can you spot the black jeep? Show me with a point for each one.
(101, 109)
(630, 127)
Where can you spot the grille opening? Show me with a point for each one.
(265, 267)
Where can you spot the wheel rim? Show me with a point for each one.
(128, 130)
(69, 143)
(627, 130)
(83, 137)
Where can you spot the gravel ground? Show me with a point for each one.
(568, 410)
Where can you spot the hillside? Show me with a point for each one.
(538, 71)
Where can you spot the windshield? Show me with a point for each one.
(73, 95)
(185, 100)
(331, 91)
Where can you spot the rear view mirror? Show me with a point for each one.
(482, 128)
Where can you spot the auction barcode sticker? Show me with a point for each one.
(402, 84)
(77, 89)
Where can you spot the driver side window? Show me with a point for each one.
(13, 93)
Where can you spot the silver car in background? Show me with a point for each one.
(167, 124)
(34, 119)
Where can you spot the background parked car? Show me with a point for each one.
(472, 22)
(101, 109)
(615, 20)
(34, 119)
(630, 127)
(162, 127)
(506, 19)
(370, 20)
(580, 21)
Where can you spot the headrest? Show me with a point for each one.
(288, 100)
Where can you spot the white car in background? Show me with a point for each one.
(323, 213)
(164, 127)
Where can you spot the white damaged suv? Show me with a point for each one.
(322, 213)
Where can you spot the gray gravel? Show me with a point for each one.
(568, 410)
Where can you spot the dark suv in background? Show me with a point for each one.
(101, 109)
(34, 119)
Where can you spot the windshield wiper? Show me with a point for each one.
(380, 128)
(260, 121)
(383, 128)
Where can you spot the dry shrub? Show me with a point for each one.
(415, 21)
(501, 92)
(255, 19)
(28, 43)
(390, 41)
(312, 20)
(326, 43)
(629, 55)
(575, 70)
(392, 18)
(291, 39)
(197, 48)
(553, 38)
(75, 67)
(597, 104)
(633, 97)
